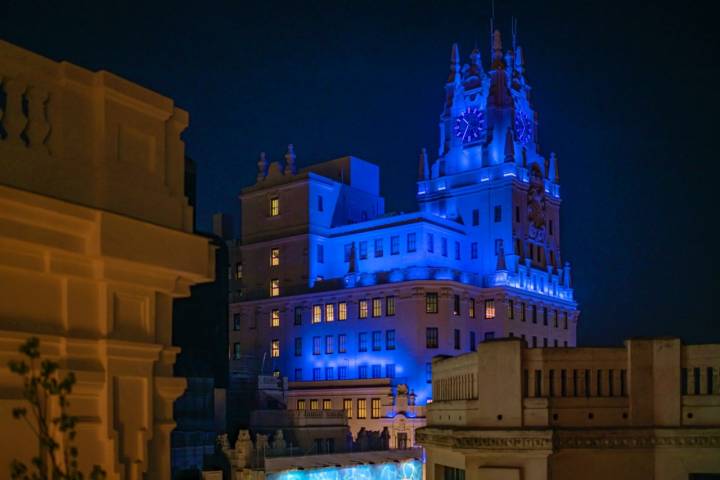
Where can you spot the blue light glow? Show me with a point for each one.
(407, 470)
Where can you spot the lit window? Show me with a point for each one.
(375, 408)
(376, 340)
(363, 308)
(376, 371)
(275, 318)
(298, 346)
(317, 341)
(274, 257)
(342, 311)
(456, 304)
(473, 342)
(457, 250)
(236, 321)
(274, 287)
(276, 373)
(275, 348)
(389, 306)
(443, 247)
(390, 370)
(376, 307)
(362, 408)
(498, 213)
(330, 312)
(362, 371)
(394, 245)
(329, 344)
(238, 271)
(471, 308)
(430, 243)
(511, 310)
(431, 337)
(390, 340)
(317, 314)
(342, 373)
(298, 316)
(347, 406)
(411, 242)
(363, 250)
(489, 308)
(342, 343)
(474, 250)
(315, 403)
(362, 342)
(378, 247)
(236, 351)
(456, 338)
(431, 302)
(320, 254)
(301, 404)
(274, 207)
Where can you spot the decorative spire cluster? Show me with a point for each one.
(271, 169)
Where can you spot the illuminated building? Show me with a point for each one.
(330, 289)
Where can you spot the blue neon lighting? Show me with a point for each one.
(407, 470)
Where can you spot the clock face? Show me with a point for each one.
(470, 125)
(523, 127)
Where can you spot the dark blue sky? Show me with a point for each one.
(627, 95)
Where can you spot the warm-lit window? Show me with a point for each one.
(456, 304)
(378, 247)
(431, 302)
(511, 310)
(394, 245)
(389, 306)
(327, 404)
(361, 408)
(375, 408)
(376, 340)
(238, 271)
(347, 406)
(298, 316)
(342, 311)
(431, 337)
(390, 340)
(301, 404)
(456, 338)
(317, 314)
(275, 318)
(329, 343)
(471, 308)
(298, 346)
(274, 207)
(489, 308)
(274, 287)
(274, 257)
(275, 348)
(411, 242)
(236, 351)
(317, 345)
(330, 312)
(314, 404)
(276, 373)
(363, 309)
(342, 343)
(376, 307)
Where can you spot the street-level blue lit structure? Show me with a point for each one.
(334, 291)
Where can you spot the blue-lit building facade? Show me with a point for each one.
(339, 296)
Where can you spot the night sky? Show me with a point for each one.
(627, 94)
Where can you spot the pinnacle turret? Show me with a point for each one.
(262, 166)
(454, 65)
(290, 167)
(497, 60)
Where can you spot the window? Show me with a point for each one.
(565, 320)
(363, 309)
(320, 203)
(489, 335)
(362, 342)
(498, 245)
(376, 371)
(456, 304)
(300, 404)
(238, 271)
(376, 307)
(363, 250)
(457, 250)
(329, 373)
(390, 340)
(498, 213)
(401, 440)
(236, 321)
(362, 408)
(511, 310)
(389, 306)
(545, 342)
(298, 316)
(298, 346)
(317, 345)
(456, 338)
(317, 314)
(443, 247)
(473, 251)
(274, 287)
(517, 214)
(431, 337)
(320, 254)
(275, 318)
(523, 310)
(411, 242)
(317, 375)
(550, 227)
(394, 245)
(274, 206)
(476, 217)
(450, 473)
(471, 308)
(431, 302)
(236, 351)
(327, 404)
(375, 408)
(329, 344)
(342, 373)
(274, 257)
(534, 341)
(347, 406)
(390, 370)
(430, 243)
(545, 316)
(473, 342)
(428, 372)
(489, 309)
(362, 371)
(376, 340)
(329, 312)
(534, 313)
(378, 244)
(315, 403)
(275, 348)
(342, 311)
(555, 342)
(342, 343)
(348, 252)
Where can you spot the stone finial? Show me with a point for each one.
(454, 65)
(476, 62)
(290, 167)
(509, 146)
(262, 166)
(423, 165)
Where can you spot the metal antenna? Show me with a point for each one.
(492, 26)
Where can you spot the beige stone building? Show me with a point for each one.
(648, 410)
(95, 243)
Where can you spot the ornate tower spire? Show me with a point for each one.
(290, 167)
(423, 166)
(497, 60)
(262, 166)
(476, 63)
(454, 65)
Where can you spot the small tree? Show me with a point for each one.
(46, 392)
